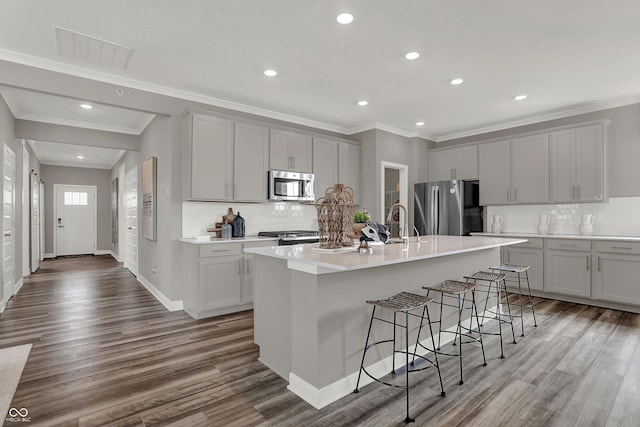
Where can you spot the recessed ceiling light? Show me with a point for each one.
(270, 73)
(520, 97)
(419, 123)
(362, 103)
(86, 106)
(412, 55)
(345, 18)
(80, 156)
(456, 81)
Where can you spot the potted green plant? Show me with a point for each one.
(360, 220)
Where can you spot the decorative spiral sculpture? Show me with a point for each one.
(335, 216)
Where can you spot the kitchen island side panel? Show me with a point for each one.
(330, 316)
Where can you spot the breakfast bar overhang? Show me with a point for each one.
(310, 308)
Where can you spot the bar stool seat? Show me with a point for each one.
(457, 289)
(514, 273)
(499, 280)
(403, 302)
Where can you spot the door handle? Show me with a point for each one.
(61, 226)
(598, 263)
(587, 262)
(7, 234)
(129, 228)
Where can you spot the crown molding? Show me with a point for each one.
(564, 113)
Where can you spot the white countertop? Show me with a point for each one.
(427, 247)
(213, 240)
(559, 236)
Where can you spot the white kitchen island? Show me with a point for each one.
(310, 307)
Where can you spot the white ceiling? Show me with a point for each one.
(53, 153)
(567, 56)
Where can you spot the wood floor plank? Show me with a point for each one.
(106, 352)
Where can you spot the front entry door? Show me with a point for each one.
(35, 222)
(8, 223)
(75, 219)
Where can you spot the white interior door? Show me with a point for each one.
(26, 212)
(131, 202)
(41, 221)
(122, 216)
(35, 222)
(75, 219)
(8, 223)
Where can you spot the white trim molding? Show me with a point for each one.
(168, 304)
(18, 285)
(49, 255)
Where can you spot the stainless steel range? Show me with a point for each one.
(292, 237)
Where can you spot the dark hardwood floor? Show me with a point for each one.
(105, 352)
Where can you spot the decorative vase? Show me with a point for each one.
(496, 226)
(543, 224)
(586, 227)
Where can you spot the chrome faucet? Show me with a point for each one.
(405, 230)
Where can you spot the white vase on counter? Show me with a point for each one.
(543, 223)
(586, 225)
(496, 225)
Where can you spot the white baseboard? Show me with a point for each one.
(169, 304)
(115, 256)
(49, 255)
(19, 284)
(2, 305)
(103, 252)
(321, 397)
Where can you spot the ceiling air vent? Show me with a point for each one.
(90, 49)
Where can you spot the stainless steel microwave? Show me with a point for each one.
(294, 186)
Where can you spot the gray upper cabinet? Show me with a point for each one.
(225, 160)
(290, 151)
(530, 169)
(251, 161)
(336, 162)
(494, 170)
(208, 158)
(325, 165)
(349, 168)
(455, 163)
(577, 164)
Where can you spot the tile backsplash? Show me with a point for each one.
(272, 216)
(619, 217)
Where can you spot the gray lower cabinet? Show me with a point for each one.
(531, 254)
(218, 278)
(616, 272)
(567, 266)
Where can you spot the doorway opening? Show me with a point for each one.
(75, 229)
(394, 189)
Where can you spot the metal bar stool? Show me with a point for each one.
(457, 290)
(514, 272)
(500, 284)
(402, 302)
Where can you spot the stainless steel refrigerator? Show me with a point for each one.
(447, 207)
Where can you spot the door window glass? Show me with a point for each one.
(75, 198)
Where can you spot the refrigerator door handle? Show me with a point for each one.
(436, 205)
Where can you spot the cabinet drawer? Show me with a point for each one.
(533, 242)
(569, 245)
(261, 244)
(220, 249)
(618, 247)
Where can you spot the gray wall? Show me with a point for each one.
(378, 146)
(622, 139)
(164, 255)
(101, 178)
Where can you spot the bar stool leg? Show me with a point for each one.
(366, 343)
(521, 306)
(406, 354)
(535, 322)
(506, 296)
(459, 333)
(393, 360)
(499, 314)
(475, 309)
(435, 353)
(485, 301)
